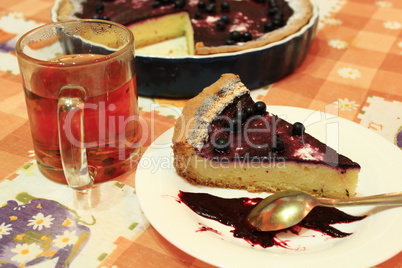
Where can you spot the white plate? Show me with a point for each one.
(374, 239)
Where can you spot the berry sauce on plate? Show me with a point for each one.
(233, 212)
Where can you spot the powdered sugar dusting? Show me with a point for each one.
(307, 152)
(212, 19)
(193, 2)
(240, 22)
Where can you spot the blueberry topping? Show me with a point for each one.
(247, 36)
(277, 16)
(298, 129)
(220, 25)
(225, 6)
(278, 145)
(249, 110)
(222, 143)
(277, 19)
(155, 4)
(178, 4)
(272, 11)
(211, 8)
(95, 17)
(201, 4)
(269, 26)
(99, 7)
(260, 107)
(272, 3)
(241, 115)
(225, 19)
(235, 36)
(198, 15)
(105, 17)
(229, 42)
(234, 123)
(278, 23)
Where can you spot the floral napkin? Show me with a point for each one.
(63, 229)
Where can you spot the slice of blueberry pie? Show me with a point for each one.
(210, 26)
(225, 139)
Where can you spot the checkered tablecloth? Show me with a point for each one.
(352, 70)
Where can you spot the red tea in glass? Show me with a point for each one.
(83, 106)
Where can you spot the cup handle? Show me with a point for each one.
(70, 113)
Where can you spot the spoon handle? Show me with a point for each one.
(380, 199)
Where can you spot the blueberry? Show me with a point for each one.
(201, 4)
(221, 143)
(99, 7)
(235, 36)
(278, 145)
(178, 4)
(277, 19)
(269, 26)
(220, 25)
(155, 4)
(225, 6)
(272, 3)
(198, 15)
(105, 17)
(298, 129)
(95, 17)
(210, 8)
(249, 110)
(272, 11)
(246, 36)
(278, 23)
(225, 19)
(229, 42)
(277, 16)
(260, 107)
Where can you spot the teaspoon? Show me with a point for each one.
(285, 209)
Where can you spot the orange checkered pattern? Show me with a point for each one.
(369, 38)
(357, 54)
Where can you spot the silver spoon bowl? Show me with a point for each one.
(285, 209)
